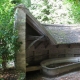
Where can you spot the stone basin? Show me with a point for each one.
(53, 67)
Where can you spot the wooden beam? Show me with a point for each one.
(36, 37)
(33, 68)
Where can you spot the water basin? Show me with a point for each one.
(52, 67)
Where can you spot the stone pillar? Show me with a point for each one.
(20, 25)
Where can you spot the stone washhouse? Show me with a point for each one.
(43, 41)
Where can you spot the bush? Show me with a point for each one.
(9, 44)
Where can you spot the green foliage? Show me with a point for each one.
(27, 3)
(8, 37)
(75, 9)
(6, 13)
(51, 11)
(56, 11)
(9, 44)
(21, 76)
(41, 10)
(15, 1)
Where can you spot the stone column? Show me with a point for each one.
(20, 25)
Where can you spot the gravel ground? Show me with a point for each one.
(75, 75)
(11, 74)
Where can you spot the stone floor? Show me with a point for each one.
(75, 75)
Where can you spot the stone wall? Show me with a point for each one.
(40, 53)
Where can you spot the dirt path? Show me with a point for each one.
(11, 74)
